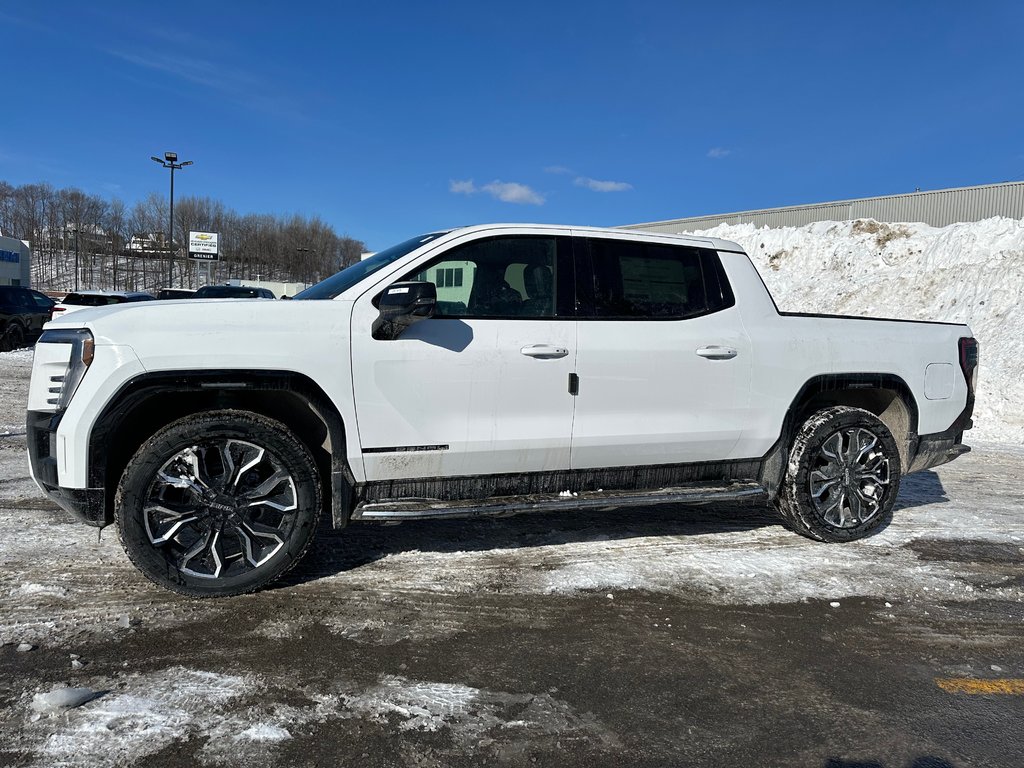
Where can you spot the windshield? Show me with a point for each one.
(338, 283)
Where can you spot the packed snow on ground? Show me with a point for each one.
(967, 273)
(242, 719)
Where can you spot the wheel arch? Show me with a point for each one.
(151, 401)
(886, 395)
(10, 323)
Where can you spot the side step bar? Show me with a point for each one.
(394, 510)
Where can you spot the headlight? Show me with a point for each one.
(61, 386)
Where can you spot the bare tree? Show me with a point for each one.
(122, 247)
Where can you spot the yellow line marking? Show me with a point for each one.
(1008, 685)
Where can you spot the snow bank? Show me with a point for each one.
(968, 273)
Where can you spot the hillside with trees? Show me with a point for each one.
(127, 248)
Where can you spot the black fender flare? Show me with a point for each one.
(773, 463)
(216, 389)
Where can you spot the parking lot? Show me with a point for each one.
(663, 636)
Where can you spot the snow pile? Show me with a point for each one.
(61, 699)
(967, 273)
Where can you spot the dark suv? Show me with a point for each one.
(22, 314)
(232, 292)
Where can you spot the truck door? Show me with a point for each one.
(663, 359)
(482, 387)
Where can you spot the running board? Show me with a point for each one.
(394, 510)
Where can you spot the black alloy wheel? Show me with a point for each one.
(843, 476)
(219, 503)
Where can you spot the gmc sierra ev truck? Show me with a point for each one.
(484, 370)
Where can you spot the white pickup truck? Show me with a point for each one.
(483, 370)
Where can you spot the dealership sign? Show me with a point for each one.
(203, 246)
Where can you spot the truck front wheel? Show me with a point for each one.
(843, 476)
(218, 503)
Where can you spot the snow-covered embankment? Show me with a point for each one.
(969, 273)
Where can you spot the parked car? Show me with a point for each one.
(486, 370)
(232, 292)
(83, 299)
(163, 294)
(22, 315)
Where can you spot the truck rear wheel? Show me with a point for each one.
(219, 503)
(843, 476)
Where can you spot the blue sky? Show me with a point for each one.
(389, 119)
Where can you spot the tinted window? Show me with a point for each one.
(12, 296)
(41, 300)
(91, 300)
(174, 293)
(498, 277)
(227, 292)
(653, 280)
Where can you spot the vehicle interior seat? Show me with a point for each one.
(539, 283)
(492, 296)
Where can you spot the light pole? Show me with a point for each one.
(306, 259)
(76, 259)
(171, 161)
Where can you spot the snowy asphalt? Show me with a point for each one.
(667, 636)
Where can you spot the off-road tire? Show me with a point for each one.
(811, 468)
(250, 548)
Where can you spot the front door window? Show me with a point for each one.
(500, 278)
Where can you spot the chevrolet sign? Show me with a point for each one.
(203, 246)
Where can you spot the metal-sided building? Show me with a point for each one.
(939, 208)
(15, 262)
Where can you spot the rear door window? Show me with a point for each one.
(41, 301)
(655, 281)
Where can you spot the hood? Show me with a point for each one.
(217, 333)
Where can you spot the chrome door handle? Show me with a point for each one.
(717, 353)
(544, 351)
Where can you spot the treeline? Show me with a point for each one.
(127, 248)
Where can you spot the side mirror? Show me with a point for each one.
(401, 305)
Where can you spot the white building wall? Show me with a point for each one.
(938, 208)
(15, 262)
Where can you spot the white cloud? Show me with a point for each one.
(511, 192)
(560, 170)
(717, 153)
(602, 186)
(506, 191)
